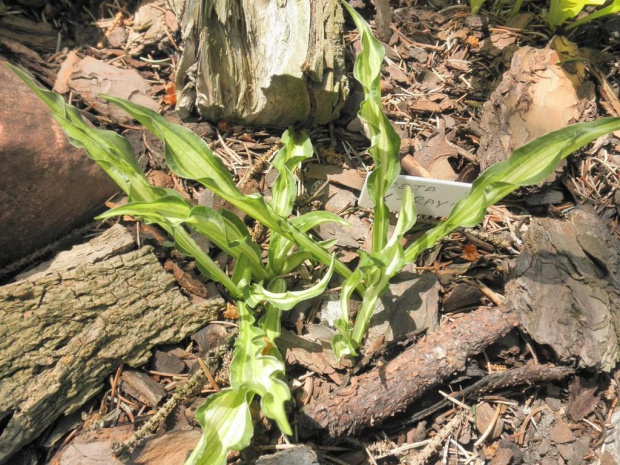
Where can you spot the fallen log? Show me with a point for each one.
(66, 327)
(383, 391)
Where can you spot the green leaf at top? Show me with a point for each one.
(384, 142)
(561, 10)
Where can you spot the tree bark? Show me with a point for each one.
(380, 393)
(66, 328)
(566, 287)
(262, 62)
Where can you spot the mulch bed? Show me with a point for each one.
(509, 402)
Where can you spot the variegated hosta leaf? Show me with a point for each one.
(296, 148)
(190, 157)
(258, 369)
(527, 166)
(376, 270)
(218, 228)
(226, 425)
(280, 262)
(256, 293)
(271, 323)
(384, 142)
(170, 212)
(341, 343)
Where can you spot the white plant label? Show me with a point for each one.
(433, 197)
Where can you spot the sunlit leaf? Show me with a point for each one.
(190, 157)
(610, 9)
(257, 369)
(384, 142)
(561, 10)
(226, 425)
(256, 294)
(527, 166)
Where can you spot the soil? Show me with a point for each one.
(440, 83)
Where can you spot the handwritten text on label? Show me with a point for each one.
(433, 197)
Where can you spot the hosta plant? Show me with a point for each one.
(256, 284)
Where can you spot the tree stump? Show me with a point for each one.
(67, 327)
(262, 62)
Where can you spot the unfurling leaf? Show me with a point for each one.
(384, 142)
(257, 369)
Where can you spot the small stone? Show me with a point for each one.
(91, 77)
(410, 304)
(561, 433)
(461, 295)
(166, 362)
(553, 403)
(544, 447)
(210, 336)
(502, 457)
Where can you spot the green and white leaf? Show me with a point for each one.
(384, 142)
(271, 321)
(257, 294)
(280, 259)
(255, 368)
(109, 150)
(527, 166)
(226, 425)
(170, 212)
(376, 270)
(190, 157)
(296, 148)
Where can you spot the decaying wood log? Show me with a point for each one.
(64, 329)
(380, 393)
(262, 62)
(566, 288)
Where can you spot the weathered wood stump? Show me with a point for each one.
(65, 328)
(262, 62)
